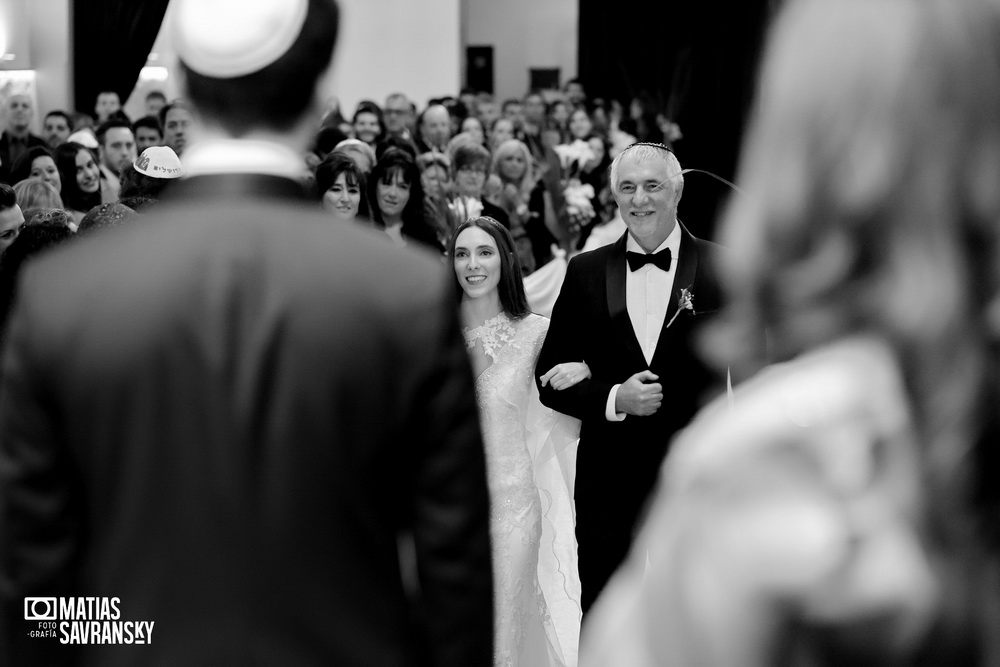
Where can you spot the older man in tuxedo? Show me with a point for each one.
(237, 426)
(629, 310)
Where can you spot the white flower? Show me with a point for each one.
(465, 208)
(684, 302)
(578, 152)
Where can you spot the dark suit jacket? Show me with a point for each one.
(7, 161)
(617, 462)
(228, 415)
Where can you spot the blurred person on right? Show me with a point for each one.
(836, 511)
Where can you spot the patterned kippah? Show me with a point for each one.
(159, 162)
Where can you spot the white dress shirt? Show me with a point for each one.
(647, 297)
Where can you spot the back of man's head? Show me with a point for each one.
(275, 59)
(7, 197)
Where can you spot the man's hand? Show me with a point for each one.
(640, 395)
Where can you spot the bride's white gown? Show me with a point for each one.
(530, 452)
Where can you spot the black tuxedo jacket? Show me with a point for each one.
(230, 415)
(618, 462)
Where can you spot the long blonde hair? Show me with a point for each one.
(529, 178)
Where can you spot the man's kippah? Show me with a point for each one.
(84, 138)
(224, 39)
(159, 162)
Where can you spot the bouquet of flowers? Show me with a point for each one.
(572, 158)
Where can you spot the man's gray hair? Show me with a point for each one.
(644, 153)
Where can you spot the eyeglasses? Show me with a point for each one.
(473, 169)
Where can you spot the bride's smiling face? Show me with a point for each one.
(477, 262)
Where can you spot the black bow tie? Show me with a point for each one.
(637, 260)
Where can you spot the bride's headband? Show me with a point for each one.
(651, 144)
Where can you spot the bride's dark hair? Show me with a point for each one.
(513, 300)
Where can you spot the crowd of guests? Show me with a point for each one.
(468, 155)
(415, 173)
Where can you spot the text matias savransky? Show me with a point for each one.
(85, 620)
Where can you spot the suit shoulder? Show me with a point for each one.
(591, 258)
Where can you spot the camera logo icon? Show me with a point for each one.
(40, 609)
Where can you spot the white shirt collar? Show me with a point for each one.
(242, 156)
(673, 241)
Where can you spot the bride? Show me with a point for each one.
(530, 452)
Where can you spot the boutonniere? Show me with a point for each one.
(684, 302)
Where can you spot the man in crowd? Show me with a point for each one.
(147, 133)
(629, 310)
(513, 110)
(534, 123)
(108, 104)
(17, 138)
(116, 149)
(435, 129)
(175, 119)
(398, 114)
(487, 110)
(155, 101)
(575, 93)
(253, 428)
(56, 128)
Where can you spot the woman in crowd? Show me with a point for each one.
(470, 165)
(435, 177)
(595, 174)
(558, 116)
(342, 187)
(37, 162)
(81, 178)
(368, 123)
(474, 128)
(529, 453)
(359, 151)
(527, 203)
(842, 508)
(642, 123)
(397, 201)
(580, 125)
(502, 130)
(36, 193)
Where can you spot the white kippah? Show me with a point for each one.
(159, 162)
(84, 138)
(229, 38)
